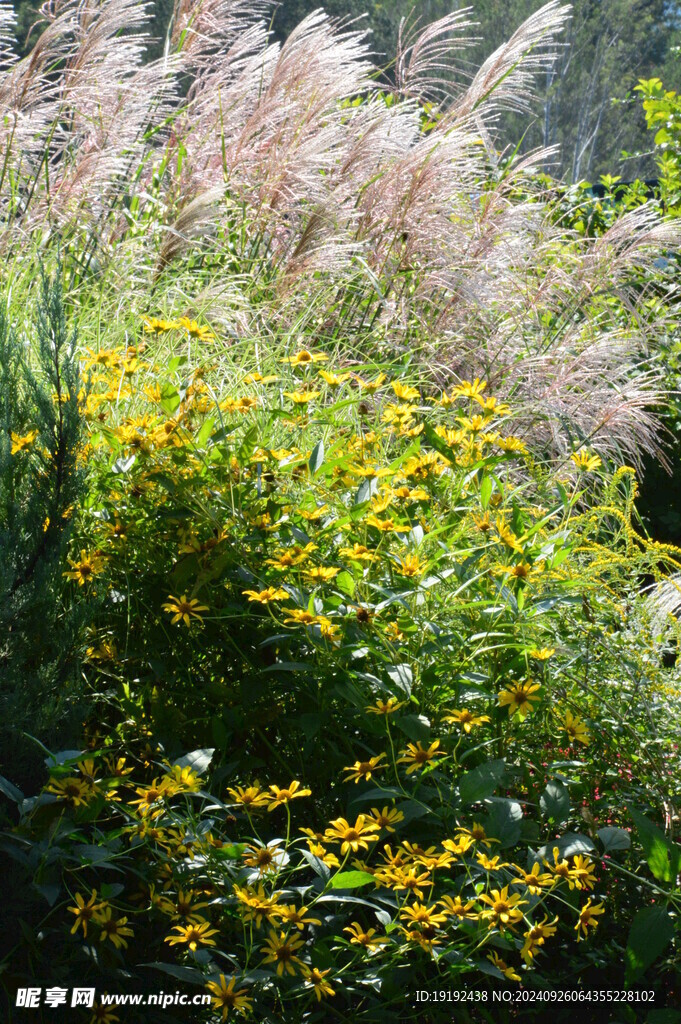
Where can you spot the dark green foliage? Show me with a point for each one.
(40, 482)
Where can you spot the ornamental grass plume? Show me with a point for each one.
(378, 217)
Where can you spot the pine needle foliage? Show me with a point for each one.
(41, 480)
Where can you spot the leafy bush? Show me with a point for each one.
(415, 676)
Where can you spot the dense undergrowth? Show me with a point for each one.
(334, 661)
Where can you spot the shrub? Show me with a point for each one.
(408, 660)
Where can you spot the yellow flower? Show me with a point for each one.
(519, 697)
(504, 909)
(267, 595)
(404, 392)
(466, 719)
(416, 756)
(256, 904)
(535, 937)
(265, 858)
(413, 879)
(352, 837)
(492, 406)
(317, 979)
(364, 769)
(421, 914)
(184, 907)
(22, 441)
(283, 796)
(507, 535)
(154, 326)
(225, 997)
(369, 939)
(358, 553)
(305, 358)
(193, 329)
(85, 911)
(184, 609)
(386, 818)
(455, 907)
(194, 935)
(410, 565)
(583, 460)
(386, 525)
(386, 707)
(297, 916)
(542, 653)
(76, 791)
(576, 731)
(302, 616)
(113, 928)
(534, 880)
(290, 557)
(86, 568)
(467, 390)
(587, 918)
(302, 397)
(281, 950)
(334, 380)
(489, 863)
(313, 514)
(104, 1014)
(149, 795)
(560, 869)
(501, 965)
(371, 385)
(320, 573)
(250, 797)
(257, 378)
(583, 872)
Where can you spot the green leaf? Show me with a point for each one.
(170, 398)
(316, 458)
(555, 801)
(651, 932)
(352, 880)
(10, 790)
(664, 860)
(481, 782)
(486, 491)
(198, 760)
(345, 583)
(614, 838)
(189, 974)
(416, 727)
(366, 490)
(504, 821)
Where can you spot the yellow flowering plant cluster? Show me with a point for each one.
(389, 636)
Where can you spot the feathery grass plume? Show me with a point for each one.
(425, 64)
(297, 183)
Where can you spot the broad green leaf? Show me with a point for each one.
(316, 458)
(651, 932)
(345, 583)
(481, 782)
(10, 790)
(664, 860)
(416, 727)
(352, 880)
(504, 821)
(198, 760)
(555, 801)
(614, 838)
(170, 398)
